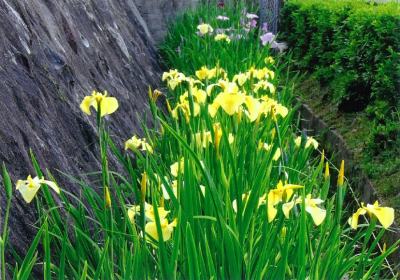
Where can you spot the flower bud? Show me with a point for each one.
(341, 174)
(326, 171)
(143, 187)
(7, 182)
(108, 199)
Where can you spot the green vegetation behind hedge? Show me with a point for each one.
(354, 44)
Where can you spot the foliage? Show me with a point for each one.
(225, 189)
(354, 46)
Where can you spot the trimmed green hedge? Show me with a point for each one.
(354, 47)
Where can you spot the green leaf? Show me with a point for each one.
(192, 255)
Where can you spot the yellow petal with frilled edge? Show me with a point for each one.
(385, 215)
(271, 212)
(230, 102)
(210, 87)
(202, 74)
(173, 83)
(205, 28)
(175, 166)
(167, 229)
(286, 207)
(274, 197)
(111, 104)
(353, 220)
(283, 111)
(241, 78)
(133, 143)
(147, 147)
(28, 190)
(254, 107)
(87, 102)
(311, 141)
(51, 185)
(161, 212)
(199, 94)
(213, 109)
(317, 213)
(151, 229)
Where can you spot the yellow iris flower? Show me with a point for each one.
(241, 78)
(310, 141)
(167, 229)
(316, 213)
(385, 215)
(269, 104)
(265, 85)
(175, 166)
(253, 106)
(28, 188)
(174, 78)
(132, 211)
(282, 192)
(202, 73)
(221, 37)
(108, 105)
(205, 28)
(135, 143)
(231, 98)
(277, 153)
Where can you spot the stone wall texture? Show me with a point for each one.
(52, 54)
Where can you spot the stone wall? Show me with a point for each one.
(52, 54)
(157, 12)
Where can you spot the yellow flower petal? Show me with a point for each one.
(353, 220)
(385, 215)
(161, 212)
(213, 109)
(87, 102)
(271, 212)
(317, 214)
(28, 188)
(230, 102)
(254, 107)
(286, 207)
(203, 73)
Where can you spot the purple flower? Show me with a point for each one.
(219, 30)
(222, 18)
(200, 21)
(242, 22)
(243, 12)
(179, 50)
(251, 16)
(220, 5)
(265, 27)
(268, 38)
(199, 34)
(253, 24)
